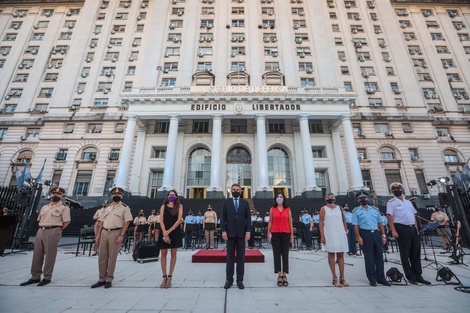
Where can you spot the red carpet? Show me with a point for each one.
(219, 256)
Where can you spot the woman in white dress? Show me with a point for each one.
(334, 238)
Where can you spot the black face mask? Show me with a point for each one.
(141, 214)
(330, 201)
(117, 198)
(236, 194)
(398, 193)
(55, 199)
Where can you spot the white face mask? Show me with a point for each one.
(279, 200)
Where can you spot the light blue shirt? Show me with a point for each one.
(316, 219)
(348, 216)
(306, 218)
(384, 219)
(190, 219)
(367, 219)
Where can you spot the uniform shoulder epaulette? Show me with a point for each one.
(375, 208)
(124, 204)
(391, 200)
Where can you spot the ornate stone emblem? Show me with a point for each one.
(239, 108)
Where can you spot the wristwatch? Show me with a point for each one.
(385, 236)
(122, 234)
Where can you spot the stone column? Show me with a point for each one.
(262, 158)
(309, 169)
(215, 189)
(354, 169)
(126, 154)
(137, 164)
(339, 161)
(170, 159)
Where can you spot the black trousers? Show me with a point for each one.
(281, 244)
(410, 250)
(238, 244)
(307, 235)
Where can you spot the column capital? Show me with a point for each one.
(217, 116)
(174, 117)
(132, 117)
(345, 117)
(261, 116)
(303, 116)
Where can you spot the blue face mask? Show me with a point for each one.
(364, 202)
(171, 198)
(279, 200)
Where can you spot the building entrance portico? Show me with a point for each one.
(263, 142)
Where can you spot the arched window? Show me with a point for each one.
(451, 156)
(239, 169)
(203, 78)
(238, 78)
(199, 168)
(273, 78)
(89, 154)
(278, 167)
(387, 153)
(24, 156)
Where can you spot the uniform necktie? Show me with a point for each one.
(236, 205)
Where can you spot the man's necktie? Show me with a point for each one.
(236, 205)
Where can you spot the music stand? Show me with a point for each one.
(429, 227)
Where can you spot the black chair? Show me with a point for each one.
(86, 239)
(316, 237)
(129, 240)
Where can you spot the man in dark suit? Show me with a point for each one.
(235, 223)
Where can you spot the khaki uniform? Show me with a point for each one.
(98, 214)
(113, 219)
(51, 218)
(151, 220)
(210, 217)
(441, 217)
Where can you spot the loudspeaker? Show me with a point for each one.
(445, 274)
(394, 275)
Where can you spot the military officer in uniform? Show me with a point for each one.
(371, 236)
(151, 221)
(402, 222)
(96, 217)
(53, 218)
(140, 223)
(209, 225)
(307, 227)
(112, 229)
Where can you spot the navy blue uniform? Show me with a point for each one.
(368, 221)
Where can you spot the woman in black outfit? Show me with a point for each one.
(171, 214)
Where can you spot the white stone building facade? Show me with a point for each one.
(304, 96)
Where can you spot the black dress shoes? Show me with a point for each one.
(385, 283)
(228, 285)
(108, 285)
(412, 281)
(44, 282)
(373, 284)
(29, 282)
(98, 284)
(423, 281)
(240, 285)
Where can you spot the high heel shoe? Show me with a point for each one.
(336, 283)
(168, 281)
(343, 282)
(163, 284)
(285, 283)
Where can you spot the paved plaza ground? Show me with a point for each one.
(198, 287)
